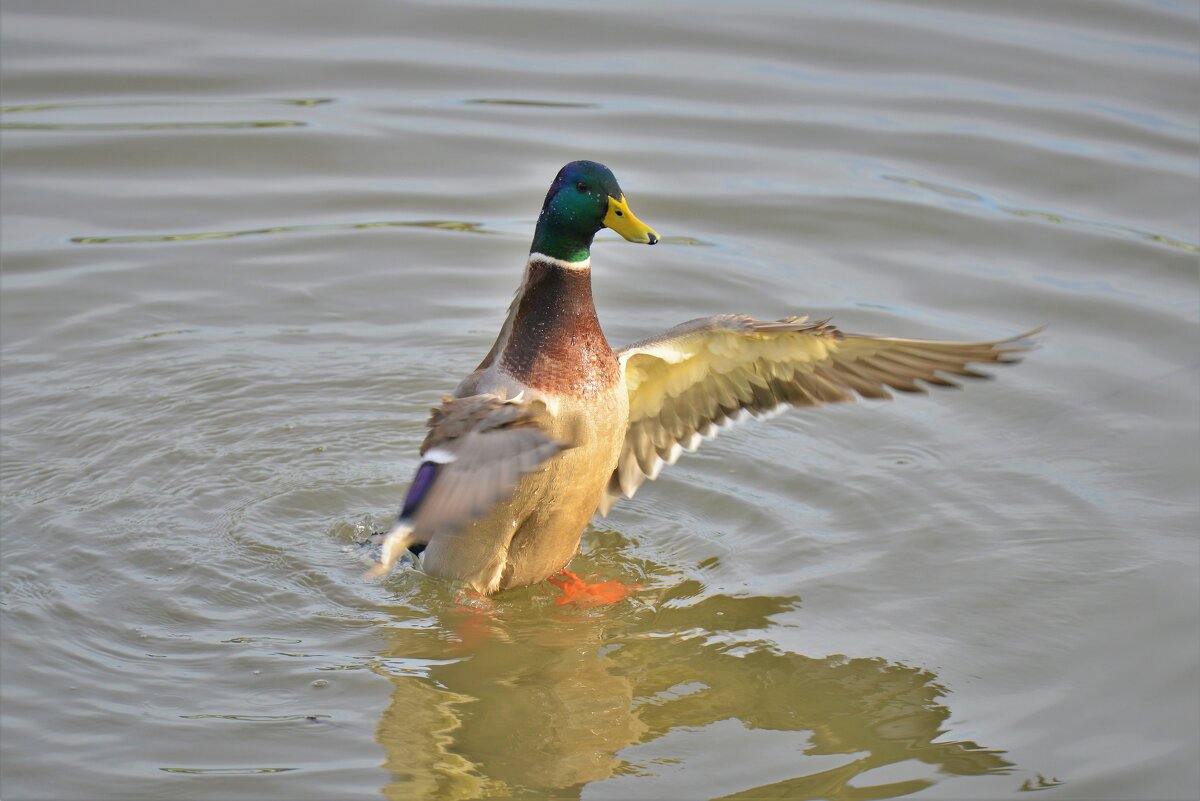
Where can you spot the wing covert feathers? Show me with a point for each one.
(486, 444)
(708, 373)
(483, 445)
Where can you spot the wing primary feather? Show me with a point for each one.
(702, 376)
(861, 381)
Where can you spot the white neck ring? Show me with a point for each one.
(586, 264)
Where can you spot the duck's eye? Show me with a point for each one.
(581, 186)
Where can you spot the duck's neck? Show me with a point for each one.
(555, 343)
(561, 239)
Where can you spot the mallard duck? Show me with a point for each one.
(554, 425)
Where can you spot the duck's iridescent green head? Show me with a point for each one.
(584, 198)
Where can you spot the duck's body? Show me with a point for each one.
(551, 349)
(554, 424)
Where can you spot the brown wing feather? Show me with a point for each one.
(712, 371)
(485, 444)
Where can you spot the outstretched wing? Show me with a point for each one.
(707, 373)
(476, 451)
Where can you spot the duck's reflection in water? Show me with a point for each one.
(531, 700)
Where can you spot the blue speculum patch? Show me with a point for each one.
(422, 481)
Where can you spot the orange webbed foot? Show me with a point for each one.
(577, 591)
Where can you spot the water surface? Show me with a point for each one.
(247, 246)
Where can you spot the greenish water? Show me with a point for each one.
(246, 246)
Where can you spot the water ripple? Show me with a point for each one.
(440, 225)
(148, 126)
(226, 771)
(283, 101)
(497, 101)
(960, 194)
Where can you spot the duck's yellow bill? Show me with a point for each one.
(621, 219)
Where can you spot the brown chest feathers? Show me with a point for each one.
(556, 344)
